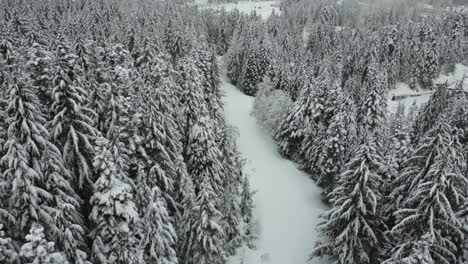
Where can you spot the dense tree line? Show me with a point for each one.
(397, 183)
(113, 144)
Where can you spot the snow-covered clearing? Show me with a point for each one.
(288, 203)
(422, 96)
(262, 8)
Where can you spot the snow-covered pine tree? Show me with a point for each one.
(336, 141)
(98, 100)
(191, 99)
(333, 153)
(208, 248)
(185, 232)
(22, 178)
(8, 254)
(246, 208)
(414, 57)
(392, 54)
(230, 206)
(430, 52)
(254, 68)
(459, 115)
(203, 157)
(235, 57)
(37, 250)
(159, 236)
(354, 226)
(463, 247)
(115, 237)
(398, 152)
(324, 106)
(420, 253)
(372, 114)
(430, 112)
(412, 113)
(292, 130)
(433, 188)
(453, 50)
(40, 64)
(71, 126)
(70, 233)
(174, 41)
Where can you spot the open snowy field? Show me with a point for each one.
(261, 8)
(422, 96)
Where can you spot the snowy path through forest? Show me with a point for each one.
(287, 201)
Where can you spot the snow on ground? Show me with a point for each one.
(288, 203)
(263, 8)
(422, 96)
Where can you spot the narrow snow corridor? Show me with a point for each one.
(287, 202)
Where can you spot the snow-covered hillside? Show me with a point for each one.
(422, 96)
(261, 8)
(287, 201)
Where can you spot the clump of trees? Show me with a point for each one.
(113, 145)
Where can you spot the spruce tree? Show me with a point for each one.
(435, 187)
(8, 254)
(37, 250)
(430, 50)
(354, 224)
(419, 255)
(71, 230)
(159, 237)
(373, 111)
(430, 112)
(203, 156)
(71, 125)
(23, 179)
(246, 208)
(230, 205)
(208, 232)
(114, 213)
(292, 130)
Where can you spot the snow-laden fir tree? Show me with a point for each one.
(292, 130)
(71, 125)
(324, 106)
(420, 253)
(354, 226)
(22, 178)
(230, 205)
(191, 98)
(400, 149)
(71, 231)
(429, 68)
(114, 213)
(333, 153)
(37, 250)
(58, 204)
(432, 188)
(185, 233)
(159, 235)
(210, 239)
(203, 156)
(254, 68)
(8, 254)
(40, 65)
(430, 112)
(235, 57)
(246, 208)
(334, 142)
(392, 54)
(373, 111)
(160, 149)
